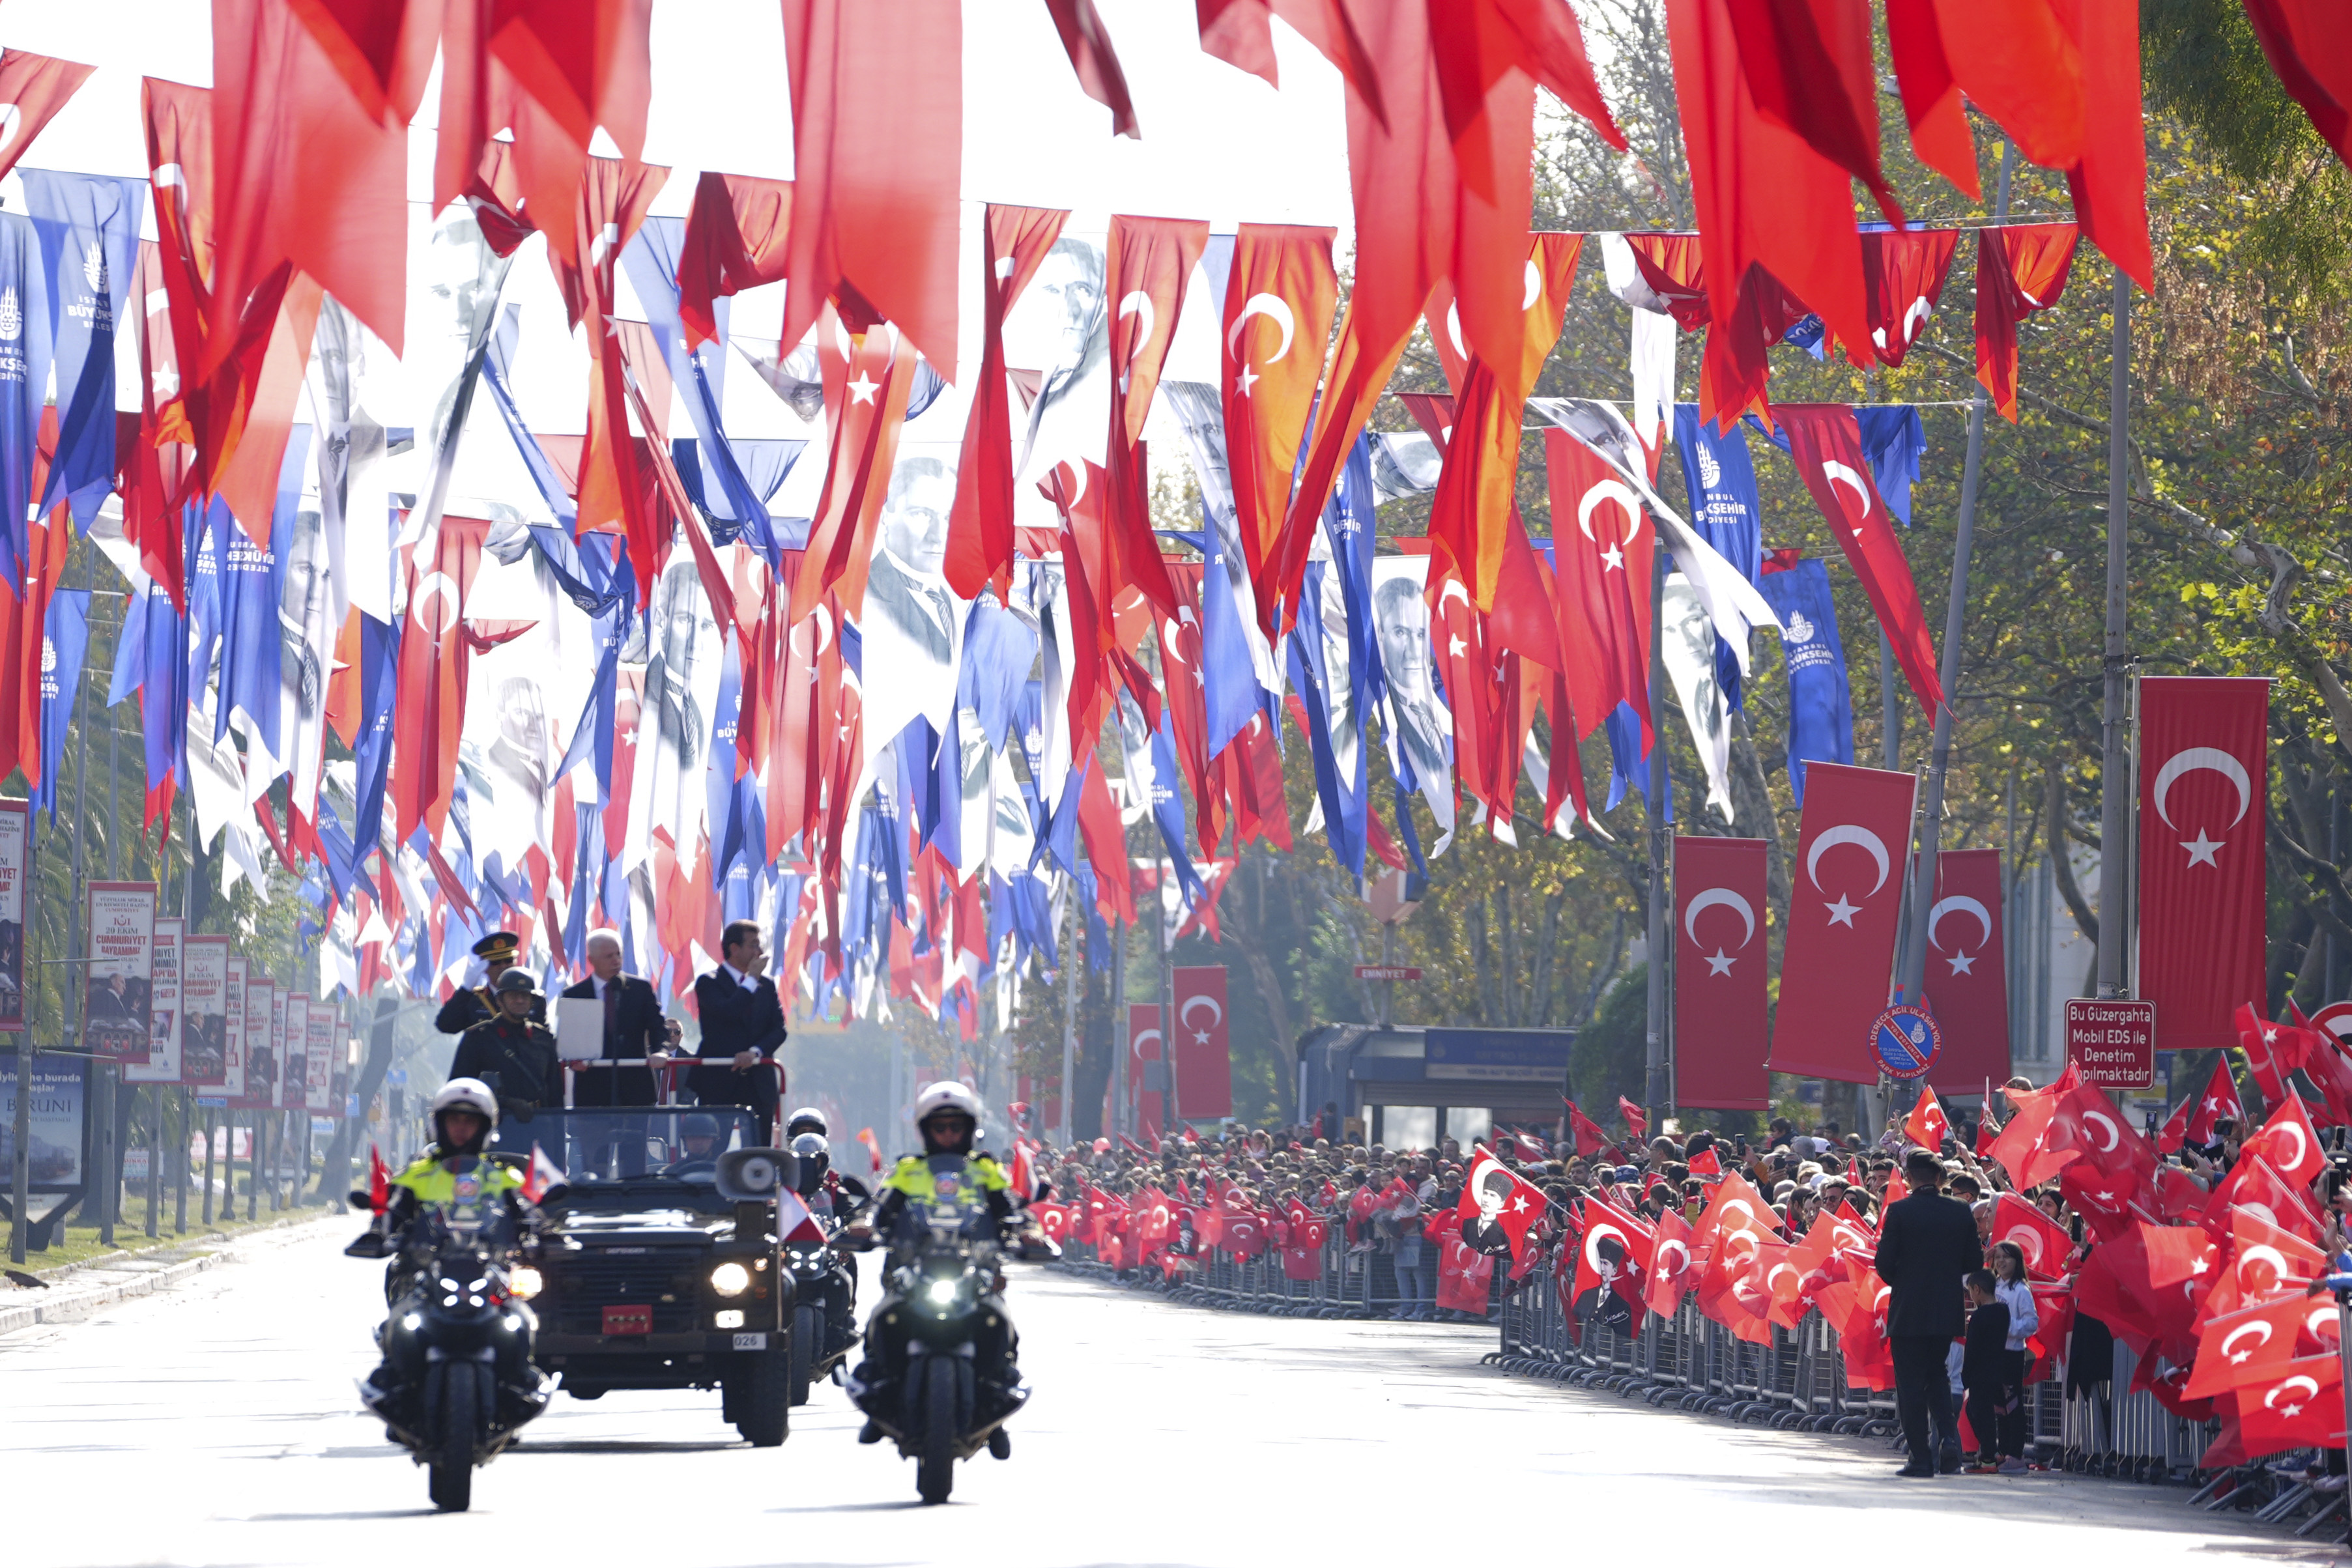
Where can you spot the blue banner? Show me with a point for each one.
(700, 375)
(1820, 704)
(88, 229)
(1338, 752)
(65, 641)
(250, 583)
(1893, 438)
(23, 380)
(1721, 481)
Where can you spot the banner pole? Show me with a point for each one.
(1073, 956)
(2114, 764)
(208, 1170)
(1931, 817)
(1659, 1090)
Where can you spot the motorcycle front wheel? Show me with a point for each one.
(451, 1470)
(808, 1332)
(935, 1459)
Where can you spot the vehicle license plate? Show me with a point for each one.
(751, 1342)
(629, 1319)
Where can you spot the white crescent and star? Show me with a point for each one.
(1136, 303)
(1719, 963)
(1275, 309)
(1184, 1015)
(1841, 912)
(1837, 473)
(2190, 760)
(430, 590)
(1960, 961)
(2229, 1347)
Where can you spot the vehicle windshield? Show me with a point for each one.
(632, 1152)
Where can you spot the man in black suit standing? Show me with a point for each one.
(742, 1028)
(1926, 1246)
(635, 1028)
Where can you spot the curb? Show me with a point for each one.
(57, 1306)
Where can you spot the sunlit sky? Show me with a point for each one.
(1217, 143)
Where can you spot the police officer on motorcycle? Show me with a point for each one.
(947, 1115)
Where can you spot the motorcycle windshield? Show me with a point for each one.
(609, 1147)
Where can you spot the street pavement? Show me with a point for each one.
(216, 1423)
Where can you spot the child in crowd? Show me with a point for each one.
(1984, 1365)
(2014, 1292)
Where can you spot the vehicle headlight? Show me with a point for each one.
(525, 1282)
(942, 1291)
(732, 1318)
(730, 1278)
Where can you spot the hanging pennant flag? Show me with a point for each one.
(88, 229)
(868, 376)
(2020, 269)
(878, 137)
(1414, 714)
(1604, 566)
(733, 240)
(2109, 182)
(1688, 647)
(1720, 480)
(1720, 958)
(35, 87)
(1014, 243)
(1968, 972)
(611, 204)
(1825, 442)
(1651, 352)
(1150, 269)
(1903, 272)
(434, 653)
(1278, 303)
(1820, 700)
(64, 640)
(2014, 61)
(699, 371)
(2298, 38)
(24, 383)
(1848, 894)
(2204, 775)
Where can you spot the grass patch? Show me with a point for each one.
(79, 1243)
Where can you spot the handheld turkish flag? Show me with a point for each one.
(1705, 1164)
(1720, 956)
(1590, 1139)
(1672, 1271)
(1023, 1175)
(2204, 775)
(2289, 1141)
(543, 1177)
(2275, 1052)
(873, 1148)
(2192, 1123)
(1840, 956)
(1927, 1126)
(379, 1181)
(2249, 1345)
(1615, 1249)
(2299, 1405)
(2254, 1187)
(1636, 1125)
(2266, 1257)
(2178, 1255)
(1825, 444)
(1496, 1193)
(2042, 1240)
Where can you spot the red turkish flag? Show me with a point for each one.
(1825, 444)
(734, 240)
(2015, 59)
(1808, 67)
(2022, 1147)
(1627, 1272)
(1106, 842)
(2043, 1240)
(1672, 1272)
(2193, 1122)
(1968, 973)
(1150, 269)
(1926, 1126)
(2301, 1405)
(1203, 1055)
(611, 202)
(1279, 301)
(2254, 1189)
(550, 73)
(1088, 42)
(2306, 43)
(1721, 1032)
(1846, 895)
(1602, 570)
(1498, 1192)
(1705, 1162)
(867, 376)
(2020, 269)
(1763, 197)
(2109, 182)
(1015, 241)
(2289, 1141)
(1637, 1124)
(2204, 777)
(2251, 1345)
(34, 87)
(1590, 1139)
(304, 176)
(1903, 272)
(1464, 1275)
(179, 126)
(877, 146)
(2275, 1052)
(434, 650)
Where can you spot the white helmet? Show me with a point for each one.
(946, 1095)
(466, 1094)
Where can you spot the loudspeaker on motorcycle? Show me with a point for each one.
(756, 1176)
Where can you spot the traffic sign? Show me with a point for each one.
(1387, 972)
(2111, 1040)
(1905, 1039)
(2335, 1020)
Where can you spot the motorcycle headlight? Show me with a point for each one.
(941, 1291)
(525, 1282)
(730, 1278)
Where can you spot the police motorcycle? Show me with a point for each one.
(824, 1323)
(456, 1382)
(940, 1378)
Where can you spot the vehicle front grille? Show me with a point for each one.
(583, 1285)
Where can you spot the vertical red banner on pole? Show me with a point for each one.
(1203, 1055)
(15, 871)
(1968, 979)
(2204, 780)
(1845, 896)
(1142, 1051)
(1720, 1034)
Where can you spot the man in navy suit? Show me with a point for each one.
(1926, 1246)
(742, 1028)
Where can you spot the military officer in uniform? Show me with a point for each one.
(469, 1006)
(515, 1056)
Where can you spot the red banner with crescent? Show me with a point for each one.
(1719, 981)
(433, 656)
(2204, 779)
(1203, 1055)
(980, 529)
(1143, 1047)
(1151, 265)
(1968, 978)
(1279, 301)
(1604, 572)
(1845, 895)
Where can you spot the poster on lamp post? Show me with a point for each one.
(233, 989)
(166, 1022)
(322, 1065)
(122, 971)
(293, 1092)
(203, 1013)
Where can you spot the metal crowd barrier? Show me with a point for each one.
(1688, 1361)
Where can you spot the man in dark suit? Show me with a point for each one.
(742, 1028)
(635, 1028)
(1926, 1246)
(471, 1005)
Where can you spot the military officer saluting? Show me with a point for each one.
(469, 1006)
(510, 1053)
